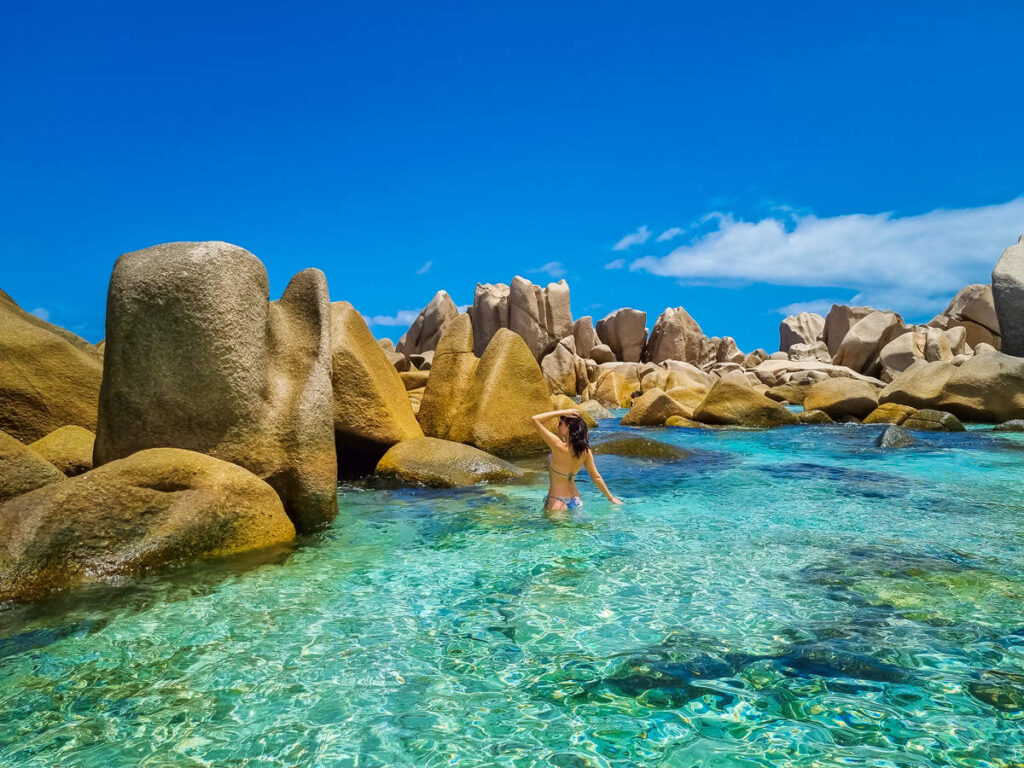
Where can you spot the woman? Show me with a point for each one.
(570, 451)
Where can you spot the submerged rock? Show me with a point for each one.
(22, 469)
(443, 464)
(814, 417)
(732, 404)
(934, 421)
(156, 507)
(1014, 425)
(69, 449)
(48, 376)
(642, 448)
(894, 437)
(198, 358)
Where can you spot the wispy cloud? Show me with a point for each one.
(670, 233)
(402, 317)
(634, 238)
(820, 306)
(41, 312)
(615, 264)
(907, 263)
(425, 268)
(554, 269)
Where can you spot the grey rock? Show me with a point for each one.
(894, 437)
(1008, 296)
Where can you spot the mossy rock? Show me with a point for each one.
(814, 417)
(684, 423)
(894, 437)
(443, 464)
(934, 421)
(641, 448)
(890, 413)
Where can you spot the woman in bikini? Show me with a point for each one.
(570, 452)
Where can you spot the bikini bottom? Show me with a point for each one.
(571, 502)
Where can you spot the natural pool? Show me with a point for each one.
(792, 597)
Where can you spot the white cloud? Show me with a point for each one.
(820, 306)
(634, 238)
(402, 317)
(907, 263)
(41, 312)
(553, 268)
(425, 268)
(670, 233)
(616, 264)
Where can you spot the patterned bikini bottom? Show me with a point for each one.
(571, 502)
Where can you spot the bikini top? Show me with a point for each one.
(570, 475)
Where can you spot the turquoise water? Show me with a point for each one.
(793, 597)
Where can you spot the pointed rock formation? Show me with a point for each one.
(804, 328)
(625, 332)
(676, 336)
(1008, 295)
(973, 309)
(841, 318)
(425, 331)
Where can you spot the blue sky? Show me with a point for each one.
(808, 153)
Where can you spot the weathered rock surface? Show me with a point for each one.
(595, 409)
(731, 403)
(894, 437)
(198, 358)
(68, 448)
(48, 376)
(565, 371)
(973, 309)
(22, 469)
(371, 407)
(1008, 297)
(602, 353)
(156, 507)
(450, 378)
(889, 413)
(812, 351)
(840, 319)
(787, 393)
(425, 331)
(541, 316)
(860, 348)
(921, 343)
(443, 464)
(585, 336)
(988, 387)
(488, 313)
(842, 397)
(414, 379)
(933, 420)
(624, 331)
(676, 336)
(640, 448)
(804, 328)
(684, 423)
(652, 409)
(612, 390)
(814, 417)
(1014, 425)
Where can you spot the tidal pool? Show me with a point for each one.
(793, 597)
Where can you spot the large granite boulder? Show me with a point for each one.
(564, 370)
(487, 402)
(488, 313)
(443, 464)
(676, 336)
(1008, 296)
(804, 328)
(198, 358)
(973, 309)
(840, 319)
(861, 346)
(602, 353)
(425, 331)
(841, 398)
(640, 448)
(68, 448)
(922, 342)
(156, 507)
(541, 316)
(889, 413)
(894, 437)
(625, 332)
(22, 469)
(613, 390)
(585, 336)
(371, 407)
(48, 376)
(815, 350)
(988, 387)
(733, 404)
(652, 409)
(933, 421)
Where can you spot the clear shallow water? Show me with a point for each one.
(793, 597)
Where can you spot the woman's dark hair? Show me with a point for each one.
(578, 440)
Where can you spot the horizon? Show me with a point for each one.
(653, 157)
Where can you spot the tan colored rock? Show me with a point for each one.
(22, 469)
(814, 417)
(988, 387)
(861, 347)
(676, 336)
(804, 328)
(443, 464)
(386, 344)
(757, 357)
(842, 397)
(602, 353)
(156, 507)
(624, 332)
(585, 336)
(371, 408)
(1008, 298)
(563, 402)
(652, 409)
(732, 404)
(973, 309)
(840, 319)
(68, 448)
(425, 331)
(684, 423)
(594, 409)
(613, 391)
(787, 393)
(933, 421)
(198, 358)
(48, 376)
(815, 351)
(414, 379)
(560, 368)
(921, 343)
(450, 378)
(421, 361)
(889, 413)
(540, 315)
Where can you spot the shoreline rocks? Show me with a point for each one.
(437, 463)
